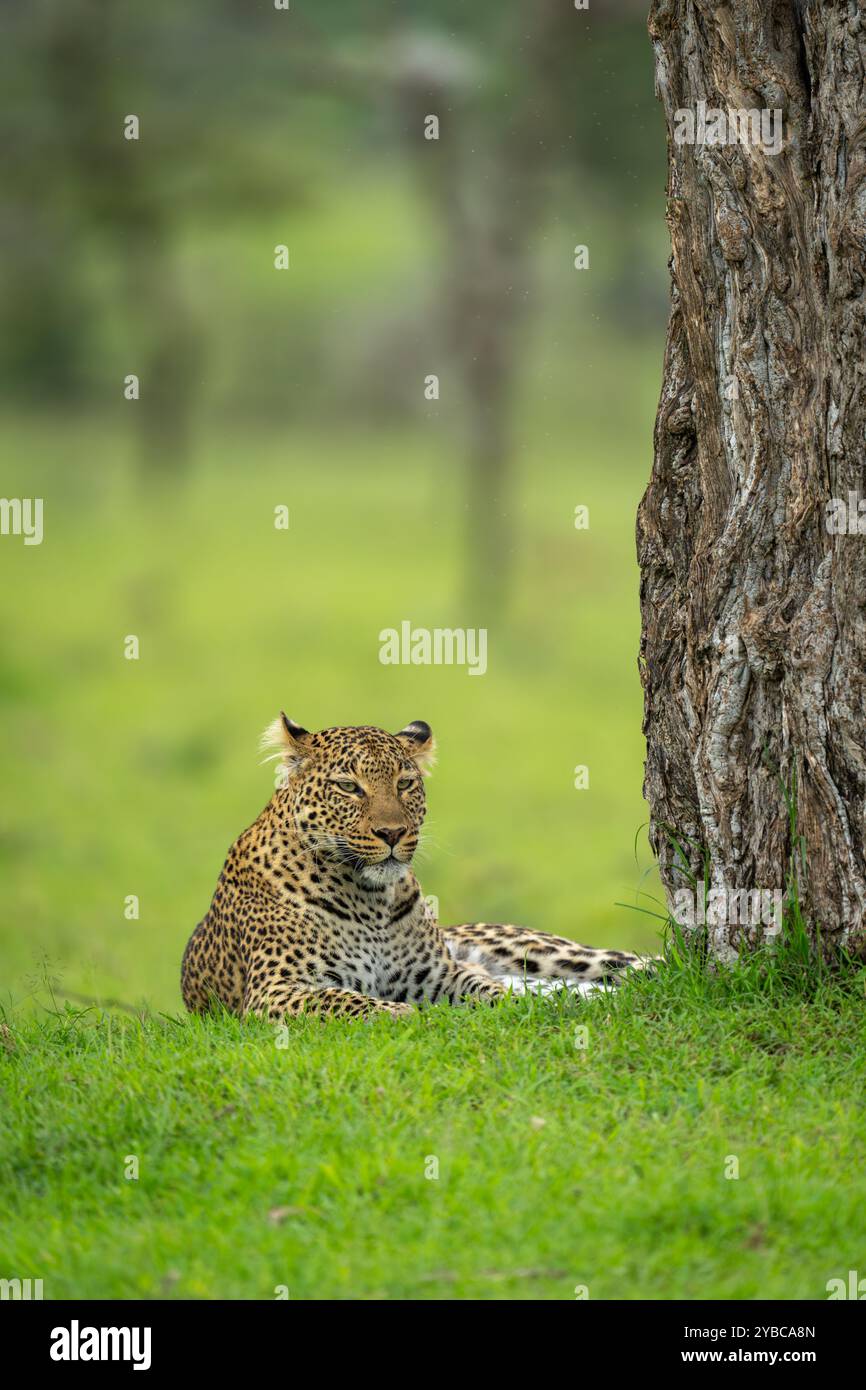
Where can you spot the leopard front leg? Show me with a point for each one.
(278, 999)
(457, 984)
(274, 983)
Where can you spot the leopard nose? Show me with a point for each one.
(389, 834)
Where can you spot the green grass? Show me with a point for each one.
(559, 1165)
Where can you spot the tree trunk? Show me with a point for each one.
(753, 648)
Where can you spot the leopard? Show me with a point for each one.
(318, 910)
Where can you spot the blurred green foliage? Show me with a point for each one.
(305, 388)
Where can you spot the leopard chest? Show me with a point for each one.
(351, 951)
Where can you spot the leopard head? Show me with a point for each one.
(355, 795)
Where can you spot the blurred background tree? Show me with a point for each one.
(245, 114)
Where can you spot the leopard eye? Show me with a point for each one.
(405, 783)
(345, 784)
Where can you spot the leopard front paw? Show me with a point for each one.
(490, 994)
(387, 1006)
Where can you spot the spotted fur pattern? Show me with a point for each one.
(317, 908)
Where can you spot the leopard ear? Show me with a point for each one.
(289, 739)
(418, 741)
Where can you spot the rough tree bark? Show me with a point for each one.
(753, 650)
